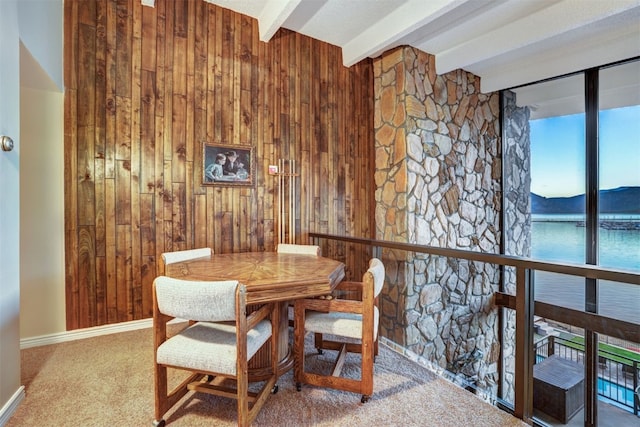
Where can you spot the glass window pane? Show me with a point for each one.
(619, 187)
(557, 170)
(619, 158)
(558, 185)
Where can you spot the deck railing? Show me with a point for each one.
(618, 374)
(525, 306)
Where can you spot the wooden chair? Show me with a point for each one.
(186, 255)
(289, 248)
(348, 321)
(218, 310)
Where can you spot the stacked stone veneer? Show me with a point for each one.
(517, 217)
(437, 179)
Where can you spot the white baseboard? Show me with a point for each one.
(79, 334)
(95, 331)
(10, 407)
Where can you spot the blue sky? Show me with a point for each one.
(557, 152)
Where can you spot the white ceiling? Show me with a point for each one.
(618, 87)
(506, 42)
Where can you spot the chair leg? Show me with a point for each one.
(242, 385)
(290, 318)
(161, 392)
(319, 342)
(165, 399)
(298, 347)
(367, 355)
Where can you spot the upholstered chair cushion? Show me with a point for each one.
(199, 301)
(376, 267)
(186, 255)
(288, 248)
(337, 323)
(210, 347)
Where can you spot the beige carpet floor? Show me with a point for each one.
(108, 381)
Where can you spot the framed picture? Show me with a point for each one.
(227, 164)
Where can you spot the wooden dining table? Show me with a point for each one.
(268, 277)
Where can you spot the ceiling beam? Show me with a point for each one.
(578, 54)
(539, 28)
(466, 24)
(273, 15)
(402, 21)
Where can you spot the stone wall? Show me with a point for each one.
(517, 217)
(438, 175)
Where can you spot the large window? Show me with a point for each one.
(584, 151)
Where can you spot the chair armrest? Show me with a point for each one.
(349, 286)
(348, 290)
(160, 322)
(340, 305)
(262, 313)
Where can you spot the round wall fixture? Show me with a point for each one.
(6, 143)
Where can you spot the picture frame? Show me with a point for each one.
(219, 169)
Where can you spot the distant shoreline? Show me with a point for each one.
(628, 224)
(621, 200)
(604, 218)
(607, 222)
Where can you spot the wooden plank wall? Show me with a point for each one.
(144, 88)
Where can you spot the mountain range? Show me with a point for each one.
(622, 200)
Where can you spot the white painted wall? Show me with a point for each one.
(35, 22)
(11, 393)
(41, 32)
(42, 280)
(42, 300)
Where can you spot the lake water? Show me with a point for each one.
(562, 240)
(559, 238)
